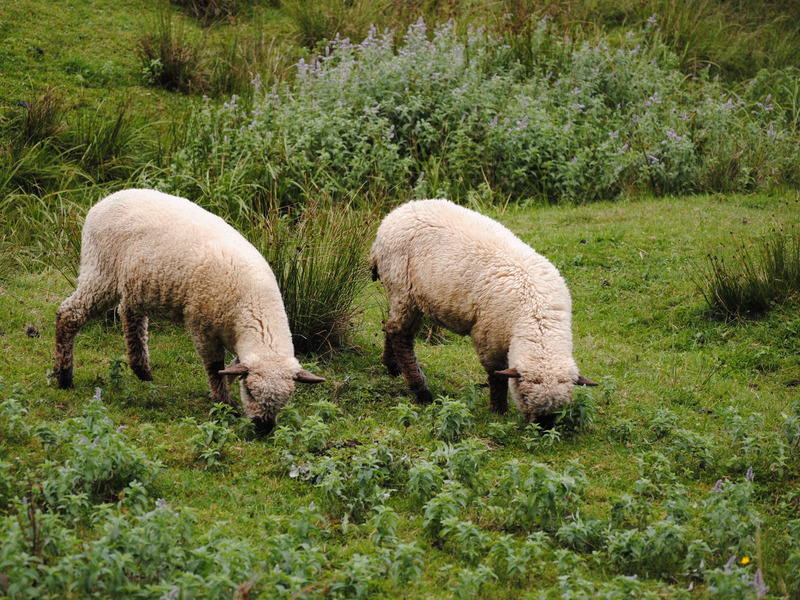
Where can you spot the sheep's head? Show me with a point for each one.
(538, 395)
(267, 387)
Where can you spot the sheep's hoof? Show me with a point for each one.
(142, 374)
(264, 426)
(63, 377)
(499, 409)
(546, 422)
(423, 396)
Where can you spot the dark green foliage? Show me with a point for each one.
(585, 122)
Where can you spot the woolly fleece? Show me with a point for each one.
(473, 276)
(158, 255)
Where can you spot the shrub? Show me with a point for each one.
(444, 113)
(100, 463)
(534, 495)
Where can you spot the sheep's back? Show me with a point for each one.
(460, 267)
(167, 256)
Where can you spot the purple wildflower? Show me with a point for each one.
(717, 486)
(749, 475)
(97, 393)
(759, 585)
(729, 565)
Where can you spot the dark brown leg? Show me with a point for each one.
(71, 316)
(67, 327)
(388, 358)
(220, 390)
(498, 394)
(403, 347)
(134, 328)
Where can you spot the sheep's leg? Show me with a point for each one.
(213, 355)
(388, 358)
(134, 328)
(400, 334)
(220, 390)
(498, 393)
(71, 316)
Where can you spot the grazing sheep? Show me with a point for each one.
(474, 277)
(157, 255)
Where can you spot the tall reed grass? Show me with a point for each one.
(171, 56)
(754, 273)
(318, 255)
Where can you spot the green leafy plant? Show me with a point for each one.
(210, 440)
(535, 495)
(451, 417)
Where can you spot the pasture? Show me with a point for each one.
(676, 477)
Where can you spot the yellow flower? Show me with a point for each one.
(745, 560)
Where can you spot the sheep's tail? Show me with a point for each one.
(373, 263)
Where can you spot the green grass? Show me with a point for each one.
(349, 496)
(640, 326)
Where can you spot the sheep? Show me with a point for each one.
(156, 255)
(471, 275)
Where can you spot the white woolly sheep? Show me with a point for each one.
(473, 276)
(156, 255)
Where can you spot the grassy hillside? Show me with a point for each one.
(582, 126)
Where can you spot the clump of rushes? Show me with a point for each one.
(170, 59)
(317, 255)
(759, 273)
(209, 11)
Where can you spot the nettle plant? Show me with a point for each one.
(441, 113)
(84, 522)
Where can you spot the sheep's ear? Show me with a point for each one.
(584, 381)
(304, 376)
(511, 373)
(235, 368)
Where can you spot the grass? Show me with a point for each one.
(758, 272)
(360, 492)
(639, 326)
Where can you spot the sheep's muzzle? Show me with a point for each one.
(264, 426)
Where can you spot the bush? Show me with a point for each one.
(443, 114)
